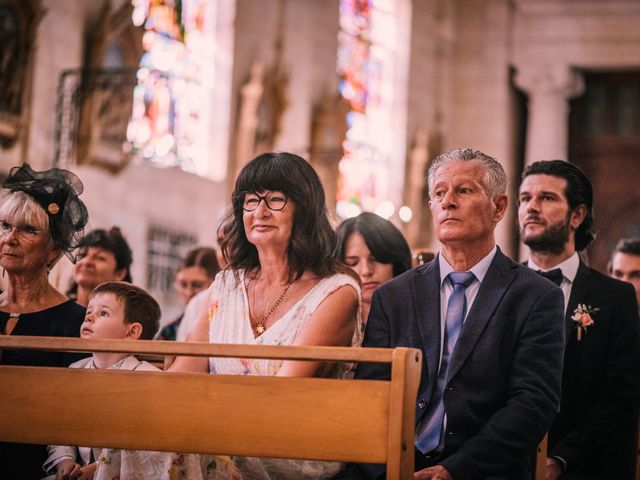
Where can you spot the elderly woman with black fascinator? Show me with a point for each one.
(284, 285)
(41, 218)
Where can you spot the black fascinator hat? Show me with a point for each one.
(56, 191)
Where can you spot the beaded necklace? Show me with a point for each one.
(260, 326)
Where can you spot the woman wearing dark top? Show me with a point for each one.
(41, 218)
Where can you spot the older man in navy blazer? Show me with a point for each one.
(490, 330)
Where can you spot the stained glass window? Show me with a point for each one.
(373, 83)
(172, 104)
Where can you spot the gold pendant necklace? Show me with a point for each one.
(260, 327)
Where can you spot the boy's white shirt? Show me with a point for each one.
(57, 453)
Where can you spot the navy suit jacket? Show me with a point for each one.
(503, 385)
(595, 431)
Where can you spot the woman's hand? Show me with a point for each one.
(65, 468)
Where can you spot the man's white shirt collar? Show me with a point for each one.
(480, 269)
(569, 267)
(569, 271)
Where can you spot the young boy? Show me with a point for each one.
(117, 310)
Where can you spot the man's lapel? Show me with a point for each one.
(578, 294)
(426, 291)
(498, 278)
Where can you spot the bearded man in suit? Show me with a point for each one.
(490, 331)
(594, 434)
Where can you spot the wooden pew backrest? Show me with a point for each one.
(303, 418)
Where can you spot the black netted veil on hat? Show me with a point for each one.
(56, 190)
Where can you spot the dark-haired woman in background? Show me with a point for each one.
(196, 273)
(284, 285)
(105, 256)
(41, 218)
(376, 250)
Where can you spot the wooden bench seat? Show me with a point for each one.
(302, 418)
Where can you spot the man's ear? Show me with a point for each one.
(500, 203)
(135, 330)
(577, 216)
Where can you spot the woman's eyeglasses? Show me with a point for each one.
(273, 201)
(28, 232)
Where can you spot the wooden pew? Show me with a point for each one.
(303, 418)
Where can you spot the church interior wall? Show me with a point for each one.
(583, 37)
(140, 195)
(460, 91)
(308, 32)
(478, 108)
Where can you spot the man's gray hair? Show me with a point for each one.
(494, 178)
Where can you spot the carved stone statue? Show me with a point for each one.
(250, 95)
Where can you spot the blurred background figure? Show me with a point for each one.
(198, 270)
(625, 262)
(41, 219)
(376, 250)
(105, 256)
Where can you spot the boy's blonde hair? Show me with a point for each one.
(139, 306)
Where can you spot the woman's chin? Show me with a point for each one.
(86, 282)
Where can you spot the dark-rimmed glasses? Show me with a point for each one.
(274, 201)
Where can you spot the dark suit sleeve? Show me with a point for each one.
(620, 389)
(377, 334)
(532, 394)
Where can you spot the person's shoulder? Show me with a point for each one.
(406, 279)
(227, 279)
(81, 363)
(522, 272)
(226, 274)
(606, 285)
(147, 367)
(326, 286)
(132, 363)
(68, 317)
(523, 282)
(605, 280)
(71, 308)
(526, 274)
(340, 278)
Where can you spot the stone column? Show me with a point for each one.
(416, 179)
(550, 88)
(251, 94)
